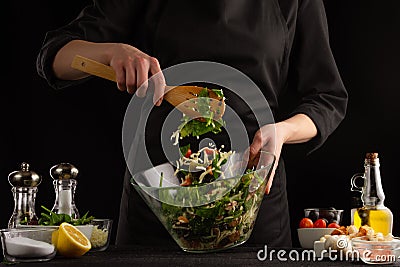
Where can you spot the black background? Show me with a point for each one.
(82, 124)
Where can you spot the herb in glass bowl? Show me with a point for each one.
(50, 218)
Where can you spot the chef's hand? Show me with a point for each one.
(267, 138)
(133, 68)
(297, 129)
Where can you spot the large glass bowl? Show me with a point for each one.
(210, 217)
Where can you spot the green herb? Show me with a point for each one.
(218, 92)
(51, 218)
(161, 179)
(194, 127)
(203, 93)
(24, 220)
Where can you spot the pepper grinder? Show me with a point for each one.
(24, 187)
(64, 175)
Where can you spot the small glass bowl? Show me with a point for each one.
(86, 229)
(101, 234)
(27, 245)
(376, 252)
(330, 214)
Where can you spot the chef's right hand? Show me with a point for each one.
(133, 68)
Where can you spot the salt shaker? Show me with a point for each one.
(24, 187)
(64, 175)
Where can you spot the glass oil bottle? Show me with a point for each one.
(373, 212)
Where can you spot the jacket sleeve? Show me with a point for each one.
(102, 21)
(315, 74)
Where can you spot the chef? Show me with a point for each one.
(280, 44)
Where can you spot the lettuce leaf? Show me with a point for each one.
(195, 127)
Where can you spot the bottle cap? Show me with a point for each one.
(24, 177)
(63, 171)
(371, 158)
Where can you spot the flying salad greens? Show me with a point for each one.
(229, 219)
(203, 125)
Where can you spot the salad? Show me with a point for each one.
(225, 222)
(204, 124)
(229, 218)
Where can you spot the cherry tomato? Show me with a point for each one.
(188, 153)
(306, 223)
(320, 223)
(333, 225)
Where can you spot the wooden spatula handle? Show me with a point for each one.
(93, 67)
(96, 68)
(173, 94)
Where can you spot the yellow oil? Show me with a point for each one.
(381, 220)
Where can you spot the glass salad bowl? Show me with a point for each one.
(208, 216)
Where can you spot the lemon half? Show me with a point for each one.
(69, 241)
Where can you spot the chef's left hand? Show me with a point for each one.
(297, 129)
(271, 139)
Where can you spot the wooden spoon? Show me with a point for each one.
(175, 95)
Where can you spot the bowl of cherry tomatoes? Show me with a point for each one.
(316, 223)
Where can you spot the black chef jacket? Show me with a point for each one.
(279, 44)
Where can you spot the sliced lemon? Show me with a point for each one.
(54, 238)
(70, 241)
